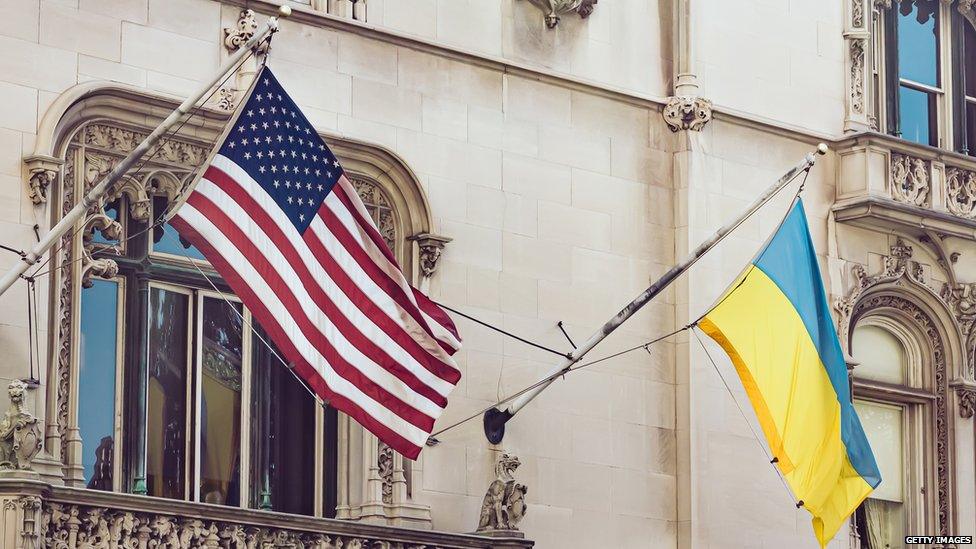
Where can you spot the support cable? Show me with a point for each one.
(432, 440)
(501, 331)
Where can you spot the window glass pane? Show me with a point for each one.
(220, 403)
(96, 381)
(971, 126)
(883, 427)
(166, 393)
(882, 524)
(166, 239)
(282, 436)
(918, 41)
(918, 116)
(969, 47)
(880, 353)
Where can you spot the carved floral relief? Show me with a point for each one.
(910, 181)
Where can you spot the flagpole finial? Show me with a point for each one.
(284, 11)
(822, 149)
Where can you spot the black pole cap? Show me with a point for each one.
(495, 420)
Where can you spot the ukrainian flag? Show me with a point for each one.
(775, 325)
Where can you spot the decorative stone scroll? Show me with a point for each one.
(239, 34)
(504, 504)
(961, 192)
(42, 171)
(20, 432)
(687, 113)
(553, 9)
(910, 181)
(857, 47)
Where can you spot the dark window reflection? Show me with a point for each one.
(166, 394)
(96, 381)
(918, 116)
(167, 240)
(282, 436)
(969, 47)
(220, 403)
(918, 41)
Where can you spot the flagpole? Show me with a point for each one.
(495, 418)
(75, 214)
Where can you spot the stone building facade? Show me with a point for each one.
(533, 164)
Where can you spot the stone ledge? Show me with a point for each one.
(76, 515)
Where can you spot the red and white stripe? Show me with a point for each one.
(333, 300)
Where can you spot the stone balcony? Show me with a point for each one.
(886, 183)
(35, 515)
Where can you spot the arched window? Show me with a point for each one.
(165, 386)
(893, 395)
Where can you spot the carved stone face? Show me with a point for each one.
(16, 391)
(507, 465)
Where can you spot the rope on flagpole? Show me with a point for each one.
(773, 460)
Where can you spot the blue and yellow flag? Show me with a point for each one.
(776, 327)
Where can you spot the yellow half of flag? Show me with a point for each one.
(776, 327)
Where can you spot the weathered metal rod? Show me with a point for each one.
(495, 418)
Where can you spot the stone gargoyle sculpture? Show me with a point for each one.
(504, 503)
(20, 434)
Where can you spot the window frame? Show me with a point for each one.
(949, 120)
(916, 398)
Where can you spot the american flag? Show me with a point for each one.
(277, 218)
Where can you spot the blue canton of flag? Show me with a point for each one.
(278, 147)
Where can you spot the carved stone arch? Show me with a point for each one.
(899, 292)
(417, 245)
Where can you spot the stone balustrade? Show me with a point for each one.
(885, 181)
(37, 515)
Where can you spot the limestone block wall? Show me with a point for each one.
(780, 60)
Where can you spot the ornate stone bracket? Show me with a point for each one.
(910, 179)
(431, 246)
(504, 505)
(239, 34)
(42, 171)
(961, 192)
(553, 9)
(687, 113)
(966, 397)
(20, 432)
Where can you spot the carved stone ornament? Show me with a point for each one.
(238, 35)
(857, 72)
(20, 433)
(431, 246)
(961, 192)
(42, 171)
(504, 504)
(553, 9)
(71, 526)
(967, 401)
(384, 463)
(869, 293)
(910, 179)
(857, 14)
(687, 113)
(225, 99)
